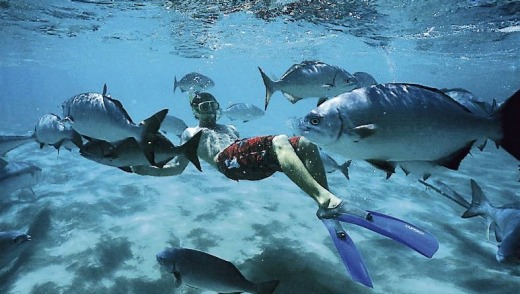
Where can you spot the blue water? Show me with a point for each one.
(105, 226)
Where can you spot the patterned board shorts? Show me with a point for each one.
(251, 158)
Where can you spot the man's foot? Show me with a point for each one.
(342, 208)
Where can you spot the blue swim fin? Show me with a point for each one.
(352, 259)
(396, 229)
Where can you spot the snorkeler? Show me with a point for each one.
(257, 158)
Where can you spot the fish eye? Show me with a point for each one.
(315, 121)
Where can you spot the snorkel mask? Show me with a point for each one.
(205, 103)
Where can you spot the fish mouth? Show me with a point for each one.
(297, 124)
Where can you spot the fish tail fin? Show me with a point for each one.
(479, 202)
(190, 149)
(269, 87)
(508, 114)
(149, 129)
(174, 83)
(266, 287)
(344, 168)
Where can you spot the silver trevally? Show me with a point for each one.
(10, 142)
(331, 165)
(243, 112)
(126, 153)
(193, 82)
(471, 102)
(504, 220)
(310, 79)
(389, 123)
(98, 116)
(51, 130)
(205, 271)
(364, 79)
(173, 125)
(16, 176)
(11, 239)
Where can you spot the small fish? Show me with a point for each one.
(173, 125)
(10, 142)
(201, 270)
(364, 79)
(331, 165)
(98, 116)
(310, 79)
(16, 176)
(193, 82)
(243, 112)
(386, 124)
(505, 220)
(471, 102)
(11, 239)
(127, 152)
(51, 130)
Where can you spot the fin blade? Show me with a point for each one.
(351, 257)
(396, 229)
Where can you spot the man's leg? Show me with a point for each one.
(297, 171)
(309, 154)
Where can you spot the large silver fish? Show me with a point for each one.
(364, 79)
(331, 165)
(310, 79)
(204, 271)
(51, 130)
(11, 239)
(471, 102)
(504, 220)
(173, 125)
(98, 116)
(16, 176)
(10, 142)
(390, 123)
(126, 153)
(243, 112)
(193, 82)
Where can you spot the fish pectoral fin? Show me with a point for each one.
(178, 279)
(498, 233)
(364, 131)
(291, 98)
(453, 160)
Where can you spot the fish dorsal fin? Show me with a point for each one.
(320, 101)
(364, 131)
(104, 89)
(453, 160)
(119, 105)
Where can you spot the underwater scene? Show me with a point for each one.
(271, 146)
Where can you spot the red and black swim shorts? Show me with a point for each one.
(251, 158)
